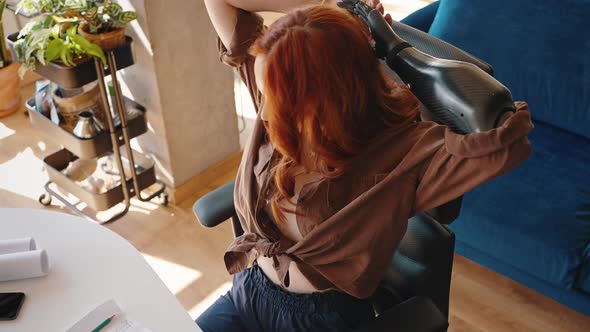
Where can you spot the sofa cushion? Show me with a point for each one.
(529, 218)
(422, 18)
(539, 50)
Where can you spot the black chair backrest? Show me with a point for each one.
(423, 263)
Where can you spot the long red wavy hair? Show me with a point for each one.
(325, 92)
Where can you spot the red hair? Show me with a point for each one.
(325, 94)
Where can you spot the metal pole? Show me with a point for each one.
(120, 108)
(113, 133)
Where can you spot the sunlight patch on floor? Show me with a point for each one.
(5, 131)
(175, 276)
(23, 174)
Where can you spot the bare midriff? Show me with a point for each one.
(298, 283)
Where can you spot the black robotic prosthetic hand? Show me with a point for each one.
(459, 94)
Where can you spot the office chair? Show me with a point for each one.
(414, 293)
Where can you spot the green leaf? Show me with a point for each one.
(114, 10)
(19, 49)
(86, 46)
(91, 14)
(66, 57)
(94, 27)
(60, 19)
(127, 17)
(76, 4)
(53, 50)
(22, 71)
(40, 56)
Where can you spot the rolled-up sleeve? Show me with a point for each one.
(465, 161)
(249, 26)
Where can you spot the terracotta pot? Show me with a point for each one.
(70, 108)
(106, 41)
(9, 90)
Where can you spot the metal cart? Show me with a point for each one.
(125, 119)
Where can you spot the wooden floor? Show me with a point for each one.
(188, 257)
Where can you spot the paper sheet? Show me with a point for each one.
(119, 323)
(95, 317)
(122, 324)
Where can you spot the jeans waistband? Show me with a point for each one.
(304, 302)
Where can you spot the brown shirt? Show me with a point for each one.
(352, 225)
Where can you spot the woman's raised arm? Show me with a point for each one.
(224, 13)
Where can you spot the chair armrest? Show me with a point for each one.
(422, 18)
(418, 314)
(216, 207)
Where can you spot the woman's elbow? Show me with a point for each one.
(516, 154)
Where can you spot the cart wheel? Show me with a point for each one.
(163, 199)
(45, 199)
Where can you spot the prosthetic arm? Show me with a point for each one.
(460, 93)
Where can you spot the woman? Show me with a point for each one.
(336, 165)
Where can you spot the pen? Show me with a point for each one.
(103, 324)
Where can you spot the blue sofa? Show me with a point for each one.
(533, 224)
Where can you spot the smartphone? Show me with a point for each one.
(10, 304)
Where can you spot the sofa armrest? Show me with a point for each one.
(216, 206)
(418, 314)
(422, 18)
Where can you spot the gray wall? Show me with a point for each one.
(188, 91)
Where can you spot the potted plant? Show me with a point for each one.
(52, 39)
(9, 81)
(102, 22)
(68, 32)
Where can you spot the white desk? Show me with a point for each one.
(89, 265)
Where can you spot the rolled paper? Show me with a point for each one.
(17, 245)
(23, 265)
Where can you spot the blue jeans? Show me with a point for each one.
(256, 304)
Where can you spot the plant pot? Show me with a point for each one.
(70, 107)
(9, 90)
(107, 40)
(76, 61)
